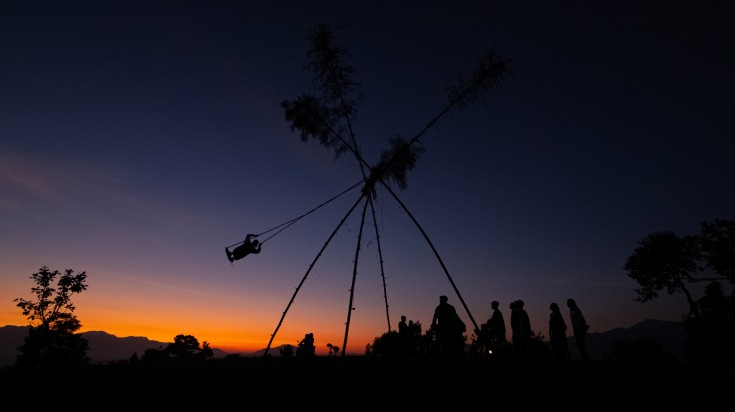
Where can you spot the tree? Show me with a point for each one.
(183, 348)
(717, 242)
(333, 349)
(387, 345)
(663, 261)
(711, 336)
(187, 347)
(286, 351)
(51, 340)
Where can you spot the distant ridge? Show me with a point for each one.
(103, 347)
(274, 351)
(670, 334)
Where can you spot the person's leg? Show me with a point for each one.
(579, 339)
(583, 346)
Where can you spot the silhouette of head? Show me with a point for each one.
(519, 304)
(512, 305)
(571, 304)
(554, 307)
(443, 299)
(403, 318)
(494, 304)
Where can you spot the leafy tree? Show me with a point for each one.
(537, 347)
(51, 340)
(286, 351)
(393, 344)
(387, 345)
(717, 242)
(187, 347)
(711, 336)
(663, 261)
(183, 348)
(333, 349)
(153, 355)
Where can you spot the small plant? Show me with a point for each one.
(333, 350)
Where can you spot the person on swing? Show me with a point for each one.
(248, 246)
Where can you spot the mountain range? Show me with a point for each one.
(104, 347)
(670, 334)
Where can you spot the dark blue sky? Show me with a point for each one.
(137, 139)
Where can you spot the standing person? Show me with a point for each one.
(403, 326)
(558, 334)
(445, 322)
(496, 325)
(514, 324)
(403, 336)
(579, 327)
(524, 329)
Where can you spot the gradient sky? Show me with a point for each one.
(139, 138)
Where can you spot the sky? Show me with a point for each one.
(139, 139)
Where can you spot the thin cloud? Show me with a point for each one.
(584, 283)
(22, 175)
(71, 184)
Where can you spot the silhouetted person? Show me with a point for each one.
(522, 335)
(403, 326)
(447, 326)
(415, 337)
(247, 247)
(404, 335)
(306, 346)
(558, 334)
(513, 322)
(496, 325)
(579, 327)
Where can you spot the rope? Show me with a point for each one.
(283, 226)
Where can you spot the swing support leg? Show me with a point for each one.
(446, 272)
(350, 308)
(311, 266)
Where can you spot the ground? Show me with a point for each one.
(367, 383)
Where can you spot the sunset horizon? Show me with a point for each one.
(483, 151)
